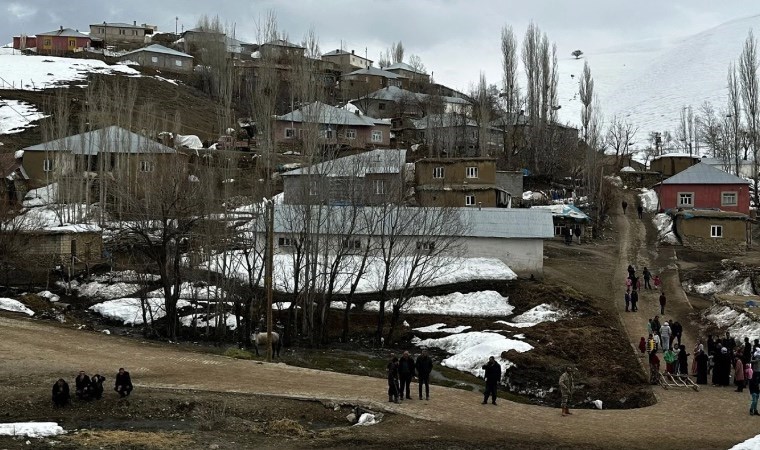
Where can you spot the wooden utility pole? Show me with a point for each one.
(269, 276)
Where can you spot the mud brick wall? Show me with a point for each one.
(715, 245)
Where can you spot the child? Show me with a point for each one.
(657, 282)
(642, 346)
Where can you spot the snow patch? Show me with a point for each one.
(664, 225)
(11, 305)
(729, 282)
(43, 196)
(538, 314)
(749, 444)
(649, 200)
(16, 116)
(476, 304)
(49, 295)
(366, 419)
(441, 328)
(101, 291)
(129, 310)
(31, 429)
(35, 73)
(739, 324)
(200, 322)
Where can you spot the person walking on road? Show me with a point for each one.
(566, 387)
(634, 300)
(662, 302)
(392, 372)
(627, 299)
(405, 375)
(493, 376)
(647, 276)
(625, 206)
(424, 366)
(665, 333)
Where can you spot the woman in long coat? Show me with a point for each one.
(683, 363)
(702, 360)
(654, 368)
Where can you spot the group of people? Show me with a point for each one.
(633, 286)
(401, 372)
(90, 388)
(639, 209)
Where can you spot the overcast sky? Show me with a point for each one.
(455, 39)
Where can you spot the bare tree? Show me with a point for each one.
(577, 53)
(397, 52)
(749, 88)
(620, 137)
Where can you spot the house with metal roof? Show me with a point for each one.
(409, 72)
(159, 57)
(199, 38)
(395, 102)
(88, 154)
(669, 164)
(326, 125)
(347, 61)
(122, 35)
(362, 82)
(368, 178)
(514, 236)
(454, 134)
(704, 186)
(57, 42)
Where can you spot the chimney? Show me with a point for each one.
(61, 28)
(134, 22)
(352, 52)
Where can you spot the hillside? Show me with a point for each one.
(649, 82)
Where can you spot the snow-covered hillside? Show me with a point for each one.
(649, 82)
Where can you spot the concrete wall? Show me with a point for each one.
(705, 196)
(672, 165)
(695, 233)
(455, 171)
(511, 182)
(524, 256)
(161, 61)
(457, 198)
(340, 134)
(358, 190)
(122, 35)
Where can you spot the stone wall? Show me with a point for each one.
(714, 245)
(640, 179)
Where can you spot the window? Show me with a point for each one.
(685, 199)
(178, 62)
(472, 172)
(290, 133)
(438, 172)
(47, 165)
(47, 42)
(101, 31)
(352, 244)
(72, 43)
(469, 200)
(326, 134)
(379, 187)
(284, 242)
(351, 134)
(716, 231)
(381, 106)
(425, 245)
(134, 32)
(154, 59)
(312, 188)
(147, 166)
(728, 199)
(377, 136)
(122, 31)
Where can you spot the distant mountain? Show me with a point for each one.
(649, 82)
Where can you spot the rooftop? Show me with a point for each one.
(403, 66)
(376, 72)
(319, 112)
(675, 155)
(65, 32)
(359, 165)
(338, 52)
(565, 211)
(395, 93)
(704, 174)
(119, 25)
(155, 48)
(111, 139)
(710, 213)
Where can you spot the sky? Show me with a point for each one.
(455, 39)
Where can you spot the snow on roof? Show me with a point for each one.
(569, 211)
(119, 25)
(65, 32)
(338, 52)
(376, 72)
(375, 161)
(155, 48)
(704, 174)
(395, 93)
(111, 139)
(628, 169)
(675, 155)
(319, 112)
(403, 66)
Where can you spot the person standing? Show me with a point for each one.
(651, 344)
(654, 368)
(625, 206)
(754, 392)
(405, 375)
(643, 346)
(702, 362)
(647, 276)
(577, 231)
(61, 395)
(657, 282)
(739, 375)
(677, 330)
(640, 211)
(493, 376)
(656, 325)
(683, 361)
(392, 372)
(627, 299)
(746, 351)
(665, 335)
(424, 366)
(82, 382)
(631, 271)
(634, 300)
(670, 358)
(662, 302)
(566, 387)
(123, 383)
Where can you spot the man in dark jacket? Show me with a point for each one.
(677, 329)
(82, 386)
(61, 394)
(392, 371)
(634, 300)
(96, 386)
(663, 300)
(424, 366)
(405, 374)
(647, 276)
(493, 376)
(123, 383)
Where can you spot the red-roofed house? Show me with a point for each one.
(704, 186)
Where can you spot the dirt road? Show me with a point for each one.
(712, 418)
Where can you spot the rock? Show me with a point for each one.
(336, 408)
(213, 446)
(597, 403)
(351, 418)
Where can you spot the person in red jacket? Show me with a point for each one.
(643, 345)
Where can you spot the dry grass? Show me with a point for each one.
(286, 427)
(212, 417)
(129, 439)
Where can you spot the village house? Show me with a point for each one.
(567, 217)
(713, 230)
(14, 178)
(460, 182)
(670, 164)
(333, 127)
(58, 42)
(368, 178)
(394, 102)
(510, 182)
(84, 157)
(703, 186)
(196, 39)
(415, 76)
(122, 35)
(279, 50)
(362, 82)
(159, 57)
(513, 236)
(347, 61)
(745, 167)
(452, 134)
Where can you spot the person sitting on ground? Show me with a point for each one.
(61, 396)
(96, 386)
(123, 383)
(82, 386)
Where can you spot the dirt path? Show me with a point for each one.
(48, 351)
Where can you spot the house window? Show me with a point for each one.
(47, 165)
(290, 133)
(154, 59)
(685, 199)
(72, 43)
(716, 231)
(438, 172)
(351, 134)
(47, 42)
(472, 172)
(284, 242)
(353, 244)
(377, 136)
(147, 166)
(178, 62)
(469, 200)
(122, 32)
(425, 245)
(379, 187)
(134, 32)
(728, 199)
(381, 106)
(312, 188)
(327, 134)
(101, 31)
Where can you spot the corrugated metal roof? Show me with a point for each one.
(375, 161)
(111, 139)
(319, 112)
(704, 174)
(155, 48)
(507, 223)
(376, 72)
(403, 66)
(395, 93)
(568, 211)
(66, 32)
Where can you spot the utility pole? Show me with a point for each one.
(176, 23)
(269, 276)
